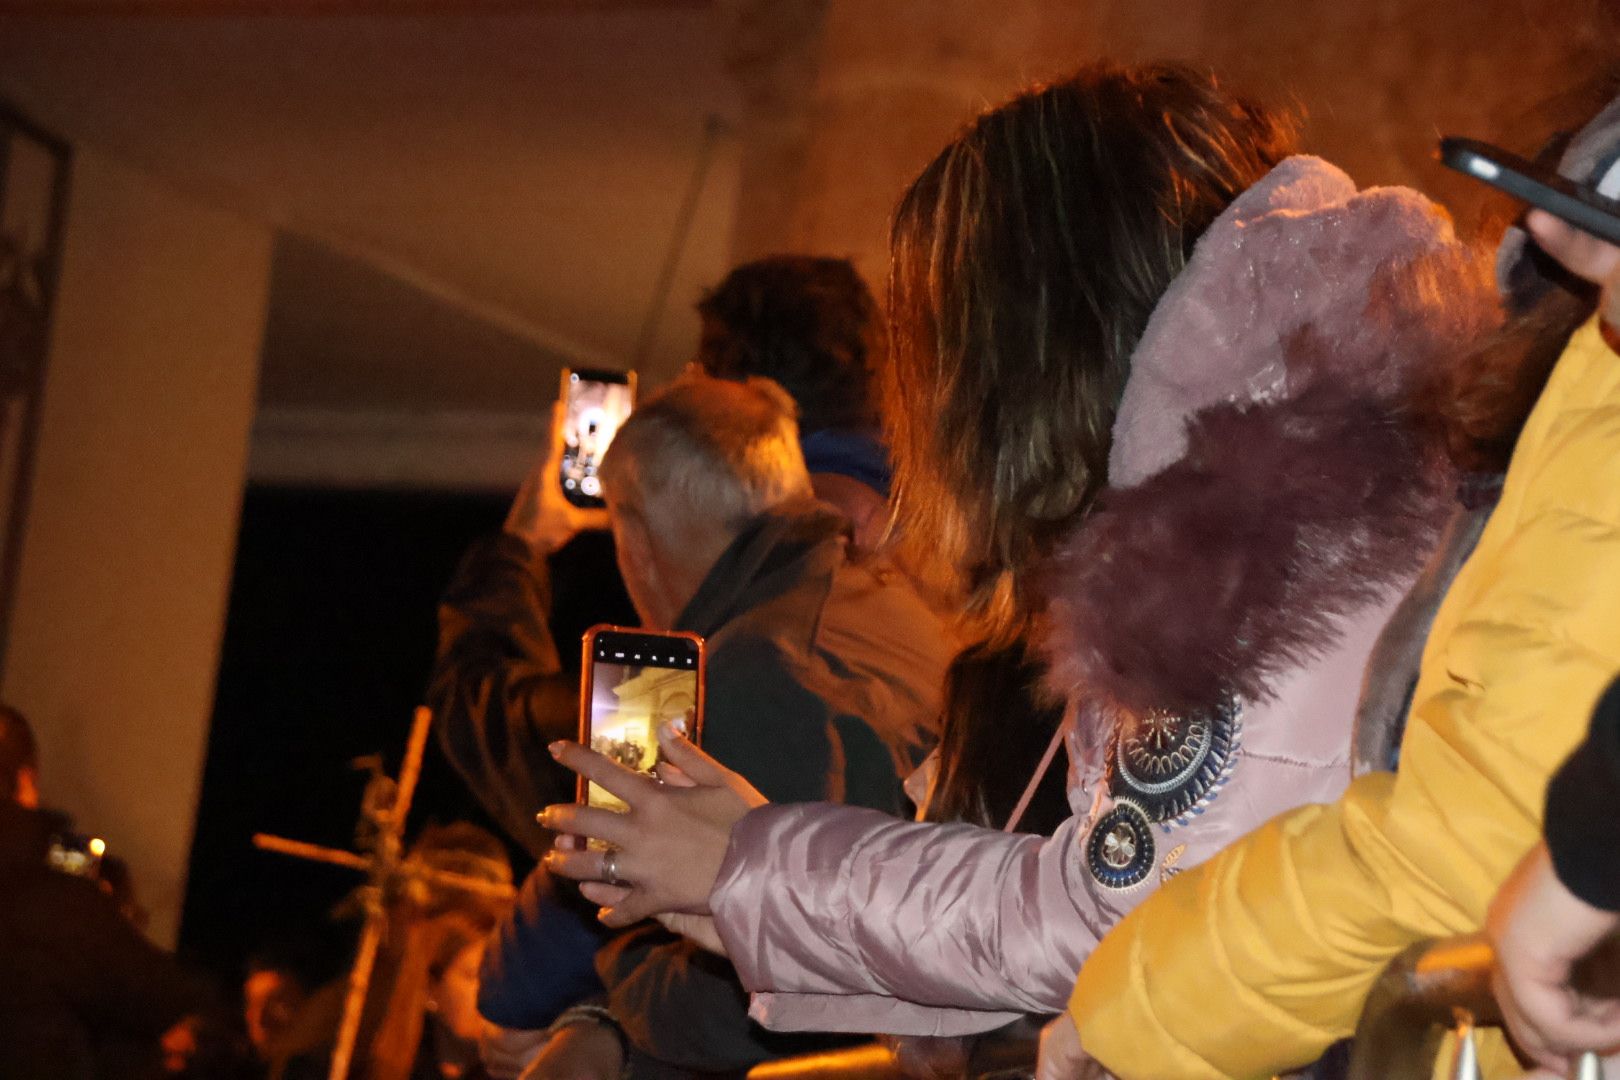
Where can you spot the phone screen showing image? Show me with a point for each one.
(635, 682)
(597, 403)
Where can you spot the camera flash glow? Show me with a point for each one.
(98, 847)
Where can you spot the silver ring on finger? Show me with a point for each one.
(610, 868)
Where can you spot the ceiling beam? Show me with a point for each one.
(227, 8)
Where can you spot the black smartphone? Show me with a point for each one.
(595, 403)
(1541, 187)
(631, 681)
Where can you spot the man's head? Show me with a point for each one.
(19, 759)
(808, 323)
(686, 473)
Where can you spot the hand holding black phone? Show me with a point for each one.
(1590, 209)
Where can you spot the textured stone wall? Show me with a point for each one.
(847, 99)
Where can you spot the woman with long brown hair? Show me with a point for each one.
(420, 1020)
(1153, 392)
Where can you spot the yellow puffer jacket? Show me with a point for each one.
(1257, 960)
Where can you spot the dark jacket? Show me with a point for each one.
(824, 682)
(1582, 827)
(82, 993)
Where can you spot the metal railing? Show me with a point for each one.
(992, 1058)
(1432, 990)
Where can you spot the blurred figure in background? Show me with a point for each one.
(420, 1020)
(809, 323)
(82, 994)
(274, 990)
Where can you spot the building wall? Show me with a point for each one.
(1377, 80)
(127, 557)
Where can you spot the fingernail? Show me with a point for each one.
(556, 748)
(543, 817)
(549, 858)
(676, 728)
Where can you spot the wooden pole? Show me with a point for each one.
(384, 865)
(313, 852)
(354, 1003)
(410, 771)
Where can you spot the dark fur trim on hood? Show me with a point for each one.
(1232, 565)
(1267, 478)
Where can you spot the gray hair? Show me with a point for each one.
(705, 455)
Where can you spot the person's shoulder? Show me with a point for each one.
(875, 582)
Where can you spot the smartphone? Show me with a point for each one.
(595, 403)
(1591, 210)
(631, 682)
(71, 853)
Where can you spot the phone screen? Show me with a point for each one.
(597, 403)
(637, 681)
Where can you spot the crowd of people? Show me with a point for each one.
(1283, 511)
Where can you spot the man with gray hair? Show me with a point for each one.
(824, 674)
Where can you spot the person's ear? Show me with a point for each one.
(639, 567)
(635, 543)
(28, 788)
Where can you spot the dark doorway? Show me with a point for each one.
(328, 642)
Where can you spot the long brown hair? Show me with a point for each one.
(427, 947)
(1026, 260)
(429, 927)
(995, 725)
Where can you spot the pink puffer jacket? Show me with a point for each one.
(1209, 622)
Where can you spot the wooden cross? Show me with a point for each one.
(383, 810)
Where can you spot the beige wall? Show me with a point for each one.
(128, 552)
(843, 122)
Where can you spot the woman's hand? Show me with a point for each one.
(667, 848)
(540, 514)
(1540, 931)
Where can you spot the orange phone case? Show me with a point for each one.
(587, 681)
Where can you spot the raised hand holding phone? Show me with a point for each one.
(595, 403)
(541, 515)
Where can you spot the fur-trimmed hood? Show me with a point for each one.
(1266, 477)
